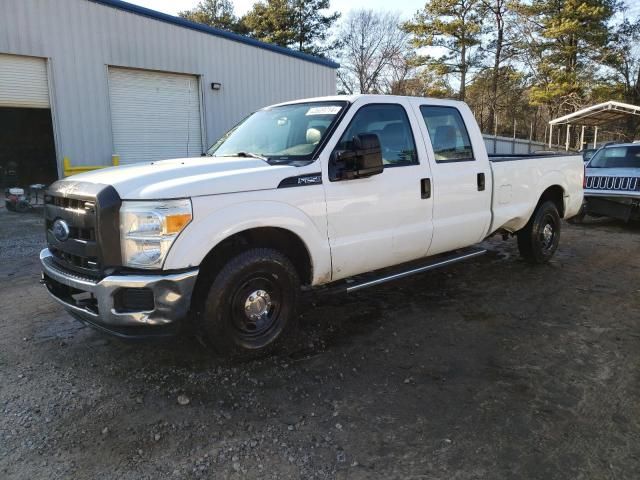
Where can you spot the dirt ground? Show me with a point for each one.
(490, 369)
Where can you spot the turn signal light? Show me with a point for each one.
(175, 223)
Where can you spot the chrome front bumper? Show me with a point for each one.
(171, 296)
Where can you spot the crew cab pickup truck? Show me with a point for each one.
(342, 192)
(612, 186)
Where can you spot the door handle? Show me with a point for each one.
(425, 188)
(481, 182)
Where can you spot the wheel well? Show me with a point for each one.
(555, 193)
(285, 241)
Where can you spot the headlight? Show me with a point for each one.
(148, 229)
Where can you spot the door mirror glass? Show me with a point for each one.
(362, 158)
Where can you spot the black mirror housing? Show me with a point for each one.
(363, 159)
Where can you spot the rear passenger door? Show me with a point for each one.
(461, 174)
(383, 219)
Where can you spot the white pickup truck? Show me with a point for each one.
(303, 194)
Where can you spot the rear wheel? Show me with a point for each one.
(250, 306)
(539, 239)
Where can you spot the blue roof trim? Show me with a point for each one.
(163, 17)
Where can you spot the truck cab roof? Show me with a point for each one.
(369, 98)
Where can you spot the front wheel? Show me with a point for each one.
(539, 239)
(250, 307)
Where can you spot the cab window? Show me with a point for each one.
(391, 124)
(448, 133)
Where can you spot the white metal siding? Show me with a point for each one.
(23, 82)
(154, 115)
(81, 38)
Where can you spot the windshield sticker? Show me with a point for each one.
(328, 110)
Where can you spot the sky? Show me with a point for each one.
(406, 7)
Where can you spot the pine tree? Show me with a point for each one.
(215, 13)
(567, 44)
(271, 22)
(456, 27)
(297, 24)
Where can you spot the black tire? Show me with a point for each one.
(250, 306)
(539, 239)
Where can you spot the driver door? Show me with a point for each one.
(384, 219)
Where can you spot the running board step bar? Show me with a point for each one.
(387, 275)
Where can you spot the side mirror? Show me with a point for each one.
(363, 159)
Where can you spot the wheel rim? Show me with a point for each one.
(255, 308)
(548, 233)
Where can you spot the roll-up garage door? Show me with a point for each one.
(154, 115)
(23, 82)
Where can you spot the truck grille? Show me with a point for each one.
(90, 212)
(69, 203)
(79, 252)
(629, 184)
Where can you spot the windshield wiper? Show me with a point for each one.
(270, 161)
(251, 155)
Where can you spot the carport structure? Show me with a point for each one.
(593, 116)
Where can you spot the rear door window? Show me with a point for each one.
(448, 133)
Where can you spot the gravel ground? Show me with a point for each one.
(491, 369)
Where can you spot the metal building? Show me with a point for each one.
(88, 79)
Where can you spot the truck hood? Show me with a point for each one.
(189, 177)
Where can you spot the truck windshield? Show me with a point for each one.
(283, 133)
(617, 157)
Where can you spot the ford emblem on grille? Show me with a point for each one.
(60, 230)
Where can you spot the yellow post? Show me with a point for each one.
(66, 166)
(69, 169)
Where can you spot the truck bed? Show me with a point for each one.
(508, 157)
(519, 180)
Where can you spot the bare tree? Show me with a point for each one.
(498, 10)
(372, 52)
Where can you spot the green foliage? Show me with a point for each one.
(215, 13)
(298, 24)
(272, 22)
(567, 40)
(455, 26)
(424, 84)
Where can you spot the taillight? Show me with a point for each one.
(584, 177)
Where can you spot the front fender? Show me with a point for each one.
(214, 220)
